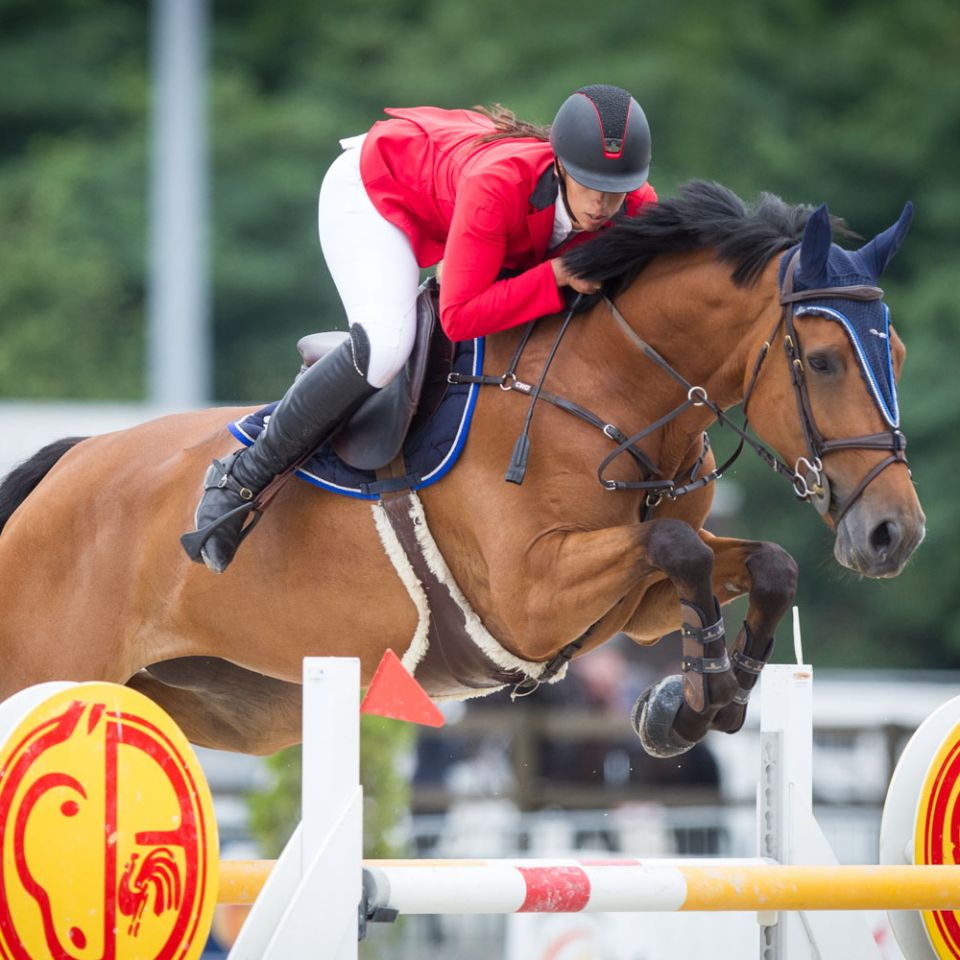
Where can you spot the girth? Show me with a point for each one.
(459, 657)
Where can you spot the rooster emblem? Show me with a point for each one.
(157, 873)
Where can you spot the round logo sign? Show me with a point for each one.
(109, 841)
(937, 836)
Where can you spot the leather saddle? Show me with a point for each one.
(373, 437)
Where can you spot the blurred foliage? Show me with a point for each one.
(72, 174)
(385, 747)
(850, 102)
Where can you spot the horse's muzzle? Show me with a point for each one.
(878, 543)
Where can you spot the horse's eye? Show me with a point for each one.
(820, 362)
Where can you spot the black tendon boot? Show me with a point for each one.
(310, 411)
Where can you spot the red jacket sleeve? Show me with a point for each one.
(640, 198)
(473, 303)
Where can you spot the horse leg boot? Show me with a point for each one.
(673, 715)
(670, 717)
(746, 671)
(773, 587)
(310, 411)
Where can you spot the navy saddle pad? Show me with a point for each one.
(430, 450)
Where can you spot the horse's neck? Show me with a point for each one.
(688, 309)
(694, 317)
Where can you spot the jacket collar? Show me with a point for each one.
(547, 190)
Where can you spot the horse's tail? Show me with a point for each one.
(20, 482)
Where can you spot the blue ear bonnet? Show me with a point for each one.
(867, 322)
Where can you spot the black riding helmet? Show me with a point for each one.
(602, 138)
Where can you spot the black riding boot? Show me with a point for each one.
(310, 411)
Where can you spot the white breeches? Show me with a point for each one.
(372, 265)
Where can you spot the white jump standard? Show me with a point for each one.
(108, 840)
(795, 887)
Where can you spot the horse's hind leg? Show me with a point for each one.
(768, 574)
(217, 704)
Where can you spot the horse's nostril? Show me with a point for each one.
(885, 538)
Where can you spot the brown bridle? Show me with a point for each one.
(809, 478)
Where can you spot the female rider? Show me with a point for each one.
(484, 192)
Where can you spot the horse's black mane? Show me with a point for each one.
(703, 214)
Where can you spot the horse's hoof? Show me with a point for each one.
(654, 715)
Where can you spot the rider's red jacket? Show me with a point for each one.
(484, 209)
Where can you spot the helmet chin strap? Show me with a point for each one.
(562, 177)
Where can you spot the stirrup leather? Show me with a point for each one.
(227, 481)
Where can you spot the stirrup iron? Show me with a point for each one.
(194, 541)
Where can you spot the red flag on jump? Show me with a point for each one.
(394, 693)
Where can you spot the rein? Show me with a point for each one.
(807, 476)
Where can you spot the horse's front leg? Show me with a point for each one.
(673, 715)
(577, 580)
(768, 575)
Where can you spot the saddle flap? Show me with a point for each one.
(374, 435)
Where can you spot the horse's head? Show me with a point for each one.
(832, 408)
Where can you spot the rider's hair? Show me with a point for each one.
(507, 125)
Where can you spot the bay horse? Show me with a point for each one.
(708, 303)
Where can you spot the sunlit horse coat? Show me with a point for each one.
(482, 208)
(96, 586)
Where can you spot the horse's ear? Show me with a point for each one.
(881, 249)
(815, 246)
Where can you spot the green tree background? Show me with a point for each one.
(855, 103)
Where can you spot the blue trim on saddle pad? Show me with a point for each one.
(430, 451)
(866, 322)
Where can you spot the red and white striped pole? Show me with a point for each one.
(601, 886)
